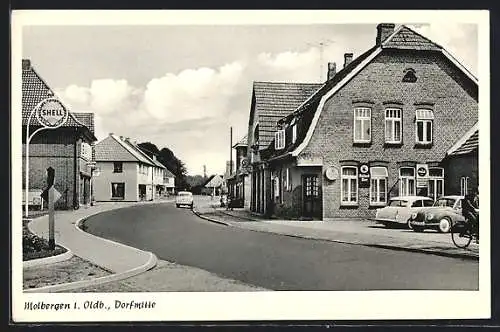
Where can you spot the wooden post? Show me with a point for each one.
(52, 244)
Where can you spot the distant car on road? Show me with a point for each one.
(445, 212)
(399, 209)
(184, 198)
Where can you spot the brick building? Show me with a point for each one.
(461, 164)
(67, 149)
(378, 128)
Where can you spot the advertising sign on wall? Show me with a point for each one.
(422, 175)
(364, 175)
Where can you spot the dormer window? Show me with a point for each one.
(409, 76)
(294, 133)
(279, 139)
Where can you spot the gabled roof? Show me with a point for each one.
(274, 100)
(469, 142)
(402, 38)
(215, 181)
(242, 142)
(113, 148)
(137, 149)
(168, 174)
(35, 89)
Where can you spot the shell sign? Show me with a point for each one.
(51, 113)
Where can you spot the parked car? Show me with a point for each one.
(399, 209)
(445, 212)
(184, 198)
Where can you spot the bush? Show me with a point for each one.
(36, 247)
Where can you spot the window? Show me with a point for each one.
(409, 75)
(312, 187)
(362, 124)
(288, 185)
(428, 202)
(423, 126)
(393, 125)
(294, 133)
(417, 203)
(279, 140)
(378, 186)
(118, 190)
(464, 185)
(406, 181)
(349, 186)
(436, 182)
(117, 167)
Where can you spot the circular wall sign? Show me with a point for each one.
(421, 171)
(332, 173)
(51, 113)
(363, 168)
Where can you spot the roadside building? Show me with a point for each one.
(67, 149)
(239, 180)
(378, 128)
(271, 101)
(126, 173)
(461, 164)
(169, 182)
(214, 185)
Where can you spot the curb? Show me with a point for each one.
(49, 260)
(98, 281)
(210, 219)
(382, 246)
(152, 261)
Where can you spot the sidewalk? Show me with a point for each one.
(364, 232)
(118, 259)
(133, 270)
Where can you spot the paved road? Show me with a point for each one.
(274, 261)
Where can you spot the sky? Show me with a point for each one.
(184, 86)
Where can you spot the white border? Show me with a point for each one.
(258, 305)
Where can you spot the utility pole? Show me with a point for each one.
(231, 151)
(204, 171)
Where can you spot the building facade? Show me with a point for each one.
(239, 181)
(126, 173)
(270, 102)
(67, 149)
(378, 128)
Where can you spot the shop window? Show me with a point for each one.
(406, 181)
(117, 167)
(279, 139)
(393, 125)
(362, 125)
(349, 185)
(423, 126)
(118, 190)
(378, 185)
(464, 185)
(436, 182)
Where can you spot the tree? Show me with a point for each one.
(167, 158)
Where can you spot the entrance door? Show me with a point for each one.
(310, 190)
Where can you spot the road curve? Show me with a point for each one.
(274, 261)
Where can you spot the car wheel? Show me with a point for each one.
(177, 205)
(444, 225)
(418, 229)
(408, 223)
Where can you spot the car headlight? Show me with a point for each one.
(429, 216)
(414, 215)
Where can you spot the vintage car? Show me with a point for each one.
(445, 212)
(184, 198)
(399, 209)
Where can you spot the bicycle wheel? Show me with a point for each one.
(461, 235)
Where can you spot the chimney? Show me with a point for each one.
(332, 70)
(347, 58)
(121, 138)
(26, 64)
(111, 134)
(127, 139)
(384, 30)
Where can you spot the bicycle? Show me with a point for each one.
(463, 232)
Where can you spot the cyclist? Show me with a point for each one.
(470, 210)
